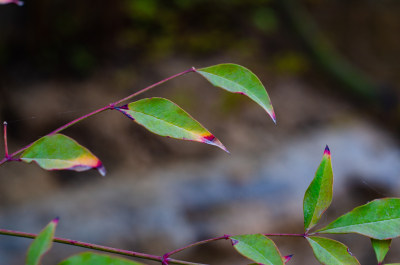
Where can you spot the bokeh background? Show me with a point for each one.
(331, 69)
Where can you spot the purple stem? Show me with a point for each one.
(108, 107)
(167, 255)
(98, 247)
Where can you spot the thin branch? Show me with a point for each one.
(5, 140)
(289, 235)
(166, 255)
(108, 107)
(99, 247)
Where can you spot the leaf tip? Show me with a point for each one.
(212, 140)
(287, 258)
(55, 220)
(101, 169)
(327, 151)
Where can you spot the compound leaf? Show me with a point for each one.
(238, 79)
(165, 118)
(331, 252)
(41, 244)
(318, 196)
(86, 258)
(379, 219)
(381, 248)
(258, 248)
(60, 152)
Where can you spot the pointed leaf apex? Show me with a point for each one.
(212, 140)
(327, 151)
(287, 258)
(102, 170)
(55, 220)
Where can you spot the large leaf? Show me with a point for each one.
(41, 244)
(379, 219)
(60, 152)
(258, 248)
(331, 252)
(88, 258)
(165, 118)
(381, 248)
(318, 196)
(237, 79)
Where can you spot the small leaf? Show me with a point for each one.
(88, 258)
(165, 118)
(41, 244)
(258, 248)
(381, 248)
(331, 252)
(60, 152)
(237, 79)
(318, 196)
(379, 219)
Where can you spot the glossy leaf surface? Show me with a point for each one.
(258, 248)
(379, 219)
(88, 258)
(318, 196)
(41, 244)
(238, 79)
(165, 118)
(381, 248)
(60, 152)
(331, 252)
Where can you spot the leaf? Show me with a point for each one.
(258, 248)
(86, 258)
(41, 244)
(318, 196)
(379, 219)
(331, 252)
(4, 2)
(381, 248)
(60, 152)
(165, 118)
(237, 79)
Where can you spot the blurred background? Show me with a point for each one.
(331, 69)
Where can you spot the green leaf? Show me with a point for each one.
(165, 118)
(258, 248)
(41, 244)
(60, 152)
(88, 258)
(381, 248)
(318, 196)
(331, 252)
(379, 219)
(237, 79)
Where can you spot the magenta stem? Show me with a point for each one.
(108, 107)
(98, 247)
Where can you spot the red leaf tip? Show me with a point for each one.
(55, 220)
(327, 151)
(287, 258)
